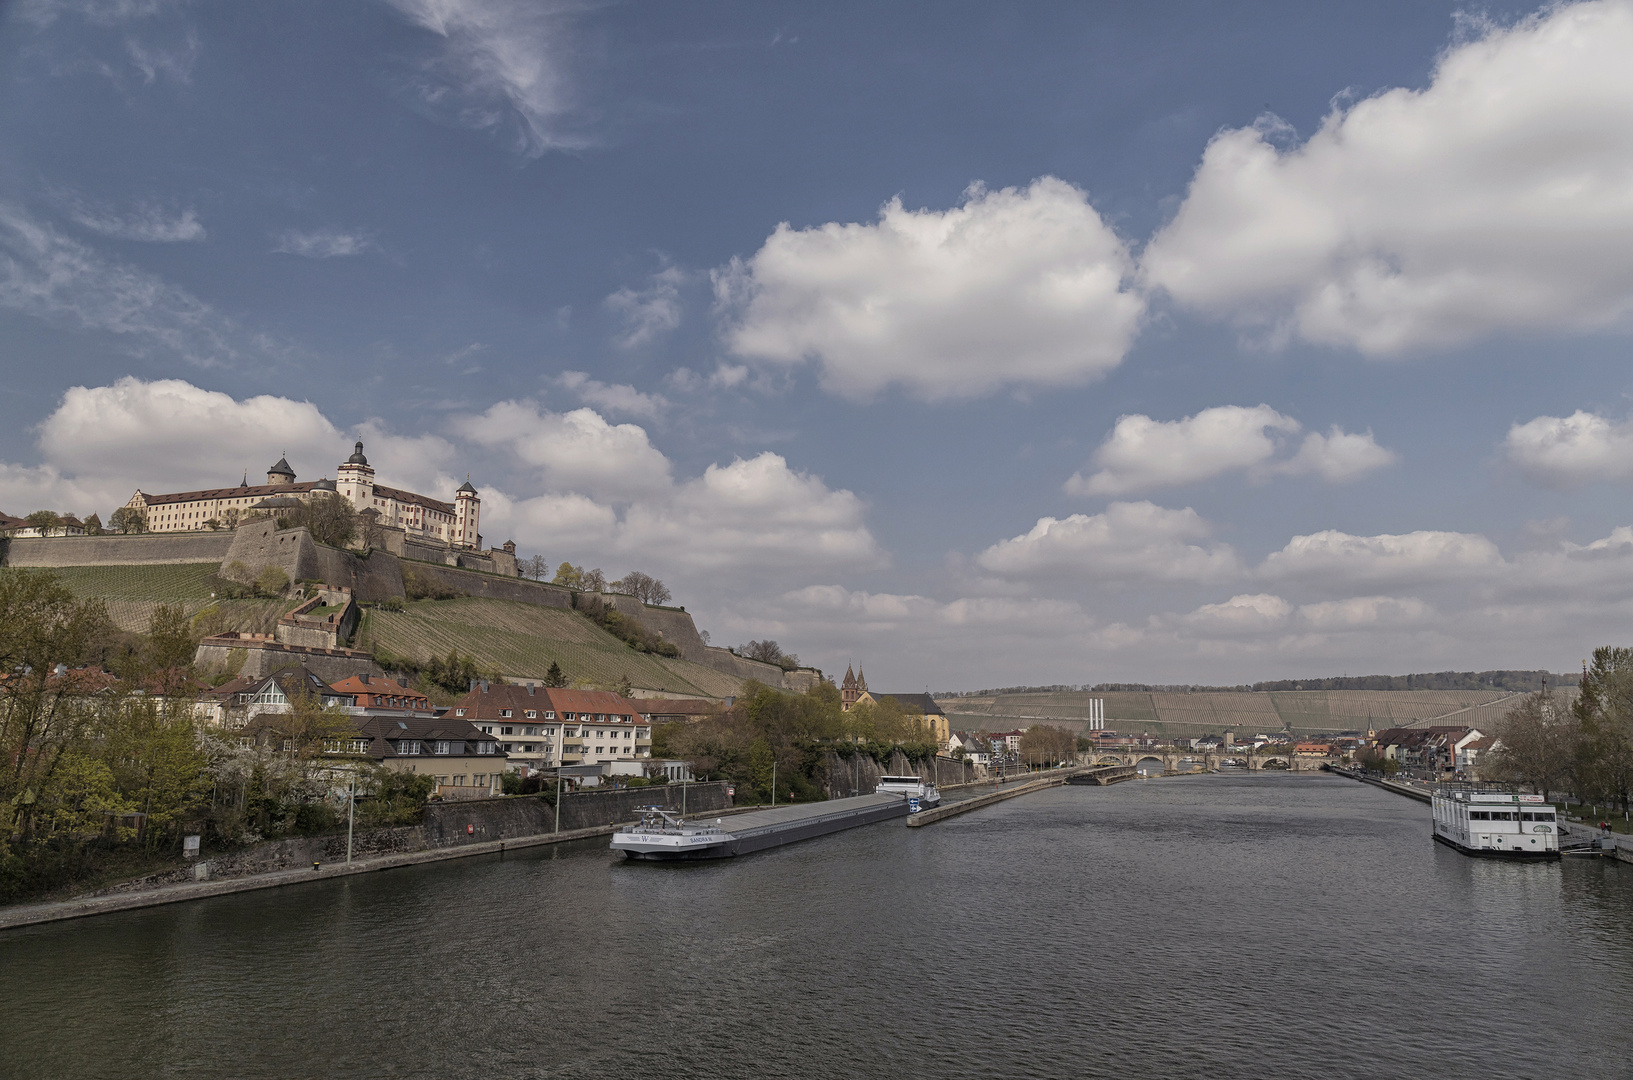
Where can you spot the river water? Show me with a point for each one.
(1218, 926)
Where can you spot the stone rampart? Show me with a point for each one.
(603, 806)
(371, 578)
(495, 587)
(144, 549)
(859, 774)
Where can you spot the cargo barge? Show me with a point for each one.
(662, 835)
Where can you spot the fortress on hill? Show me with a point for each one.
(420, 517)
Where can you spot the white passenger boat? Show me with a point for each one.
(912, 787)
(663, 835)
(1496, 825)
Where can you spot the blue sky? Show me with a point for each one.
(977, 343)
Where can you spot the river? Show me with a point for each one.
(1218, 926)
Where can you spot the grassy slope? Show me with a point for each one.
(132, 592)
(522, 640)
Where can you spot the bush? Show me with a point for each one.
(272, 581)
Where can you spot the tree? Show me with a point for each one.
(272, 581)
(1604, 713)
(1537, 746)
(47, 521)
(646, 589)
(769, 652)
(569, 575)
(128, 519)
(624, 687)
(534, 568)
(93, 526)
(1045, 744)
(171, 646)
(555, 678)
(329, 518)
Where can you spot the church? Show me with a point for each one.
(420, 517)
(854, 691)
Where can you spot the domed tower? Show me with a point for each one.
(281, 473)
(355, 479)
(467, 516)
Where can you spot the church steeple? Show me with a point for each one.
(849, 690)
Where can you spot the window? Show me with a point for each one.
(408, 747)
(629, 734)
(504, 712)
(550, 716)
(507, 731)
(599, 750)
(532, 714)
(442, 747)
(549, 731)
(531, 731)
(487, 729)
(1479, 815)
(459, 712)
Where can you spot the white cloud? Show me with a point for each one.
(1339, 560)
(1365, 612)
(618, 397)
(502, 67)
(1017, 287)
(1242, 613)
(1567, 451)
(146, 222)
(574, 451)
(322, 243)
(754, 514)
(1337, 457)
(1128, 541)
(1494, 199)
(102, 442)
(649, 313)
(48, 275)
(1142, 454)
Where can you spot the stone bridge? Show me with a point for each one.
(1179, 761)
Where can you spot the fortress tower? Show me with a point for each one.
(467, 516)
(355, 480)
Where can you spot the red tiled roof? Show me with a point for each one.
(414, 499)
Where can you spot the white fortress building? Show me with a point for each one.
(456, 524)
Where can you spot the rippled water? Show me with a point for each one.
(1218, 926)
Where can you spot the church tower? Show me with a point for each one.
(848, 691)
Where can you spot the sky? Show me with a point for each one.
(976, 344)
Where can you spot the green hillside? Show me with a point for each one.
(132, 592)
(522, 640)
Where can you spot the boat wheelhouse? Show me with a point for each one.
(1497, 825)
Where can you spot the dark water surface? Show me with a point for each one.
(1219, 926)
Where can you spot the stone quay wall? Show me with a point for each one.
(860, 774)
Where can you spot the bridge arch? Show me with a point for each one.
(1148, 765)
(1109, 759)
(1277, 762)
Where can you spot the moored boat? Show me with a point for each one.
(662, 835)
(911, 787)
(1497, 825)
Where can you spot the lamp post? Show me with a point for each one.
(558, 798)
(773, 781)
(351, 813)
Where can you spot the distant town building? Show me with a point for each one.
(542, 727)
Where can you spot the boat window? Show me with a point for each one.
(1479, 815)
(1527, 816)
(1502, 815)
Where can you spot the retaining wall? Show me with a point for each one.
(146, 549)
(860, 774)
(265, 657)
(494, 587)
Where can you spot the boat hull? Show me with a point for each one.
(1497, 853)
(775, 827)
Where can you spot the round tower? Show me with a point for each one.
(281, 473)
(355, 479)
(467, 516)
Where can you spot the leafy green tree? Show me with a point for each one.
(272, 581)
(1604, 713)
(569, 575)
(128, 519)
(47, 521)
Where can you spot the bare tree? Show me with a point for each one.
(128, 519)
(1537, 746)
(646, 589)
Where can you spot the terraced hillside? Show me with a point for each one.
(522, 640)
(132, 592)
(1299, 711)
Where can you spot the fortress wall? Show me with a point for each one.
(497, 588)
(372, 579)
(740, 666)
(263, 658)
(145, 549)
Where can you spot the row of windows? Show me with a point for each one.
(1509, 815)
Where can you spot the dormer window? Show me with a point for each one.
(459, 712)
(504, 712)
(408, 747)
(532, 714)
(442, 746)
